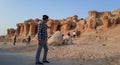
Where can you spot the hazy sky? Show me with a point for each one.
(16, 11)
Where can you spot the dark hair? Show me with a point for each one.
(45, 17)
(81, 19)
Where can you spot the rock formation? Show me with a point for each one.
(18, 29)
(98, 14)
(56, 39)
(29, 27)
(106, 22)
(10, 33)
(94, 22)
(67, 40)
(116, 12)
(115, 20)
(75, 18)
(91, 23)
(65, 26)
(81, 25)
(32, 28)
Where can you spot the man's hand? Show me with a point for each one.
(39, 42)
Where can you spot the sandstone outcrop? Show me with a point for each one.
(29, 27)
(10, 33)
(106, 22)
(98, 14)
(91, 23)
(116, 12)
(81, 25)
(94, 22)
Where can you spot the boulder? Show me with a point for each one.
(56, 39)
(67, 40)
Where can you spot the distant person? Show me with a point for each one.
(74, 34)
(78, 33)
(28, 40)
(62, 35)
(42, 41)
(14, 40)
(68, 34)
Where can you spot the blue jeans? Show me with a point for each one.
(44, 45)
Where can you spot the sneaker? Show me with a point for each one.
(39, 63)
(46, 61)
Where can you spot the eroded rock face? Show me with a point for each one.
(53, 26)
(65, 26)
(116, 12)
(81, 25)
(10, 33)
(94, 21)
(91, 24)
(50, 24)
(18, 29)
(29, 27)
(26, 29)
(75, 18)
(21, 29)
(69, 23)
(92, 13)
(114, 20)
(106, 22)
(32, 29)
(98, 14)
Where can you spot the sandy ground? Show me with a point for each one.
(76, 54)
(13, 55)
(89, 49)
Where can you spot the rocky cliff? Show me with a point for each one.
(96, 21)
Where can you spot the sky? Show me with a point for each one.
(16, 11)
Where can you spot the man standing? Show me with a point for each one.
(28, 40)
(74, 34)
(14, 40)
(42, 40)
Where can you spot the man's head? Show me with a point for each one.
(45, 18)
